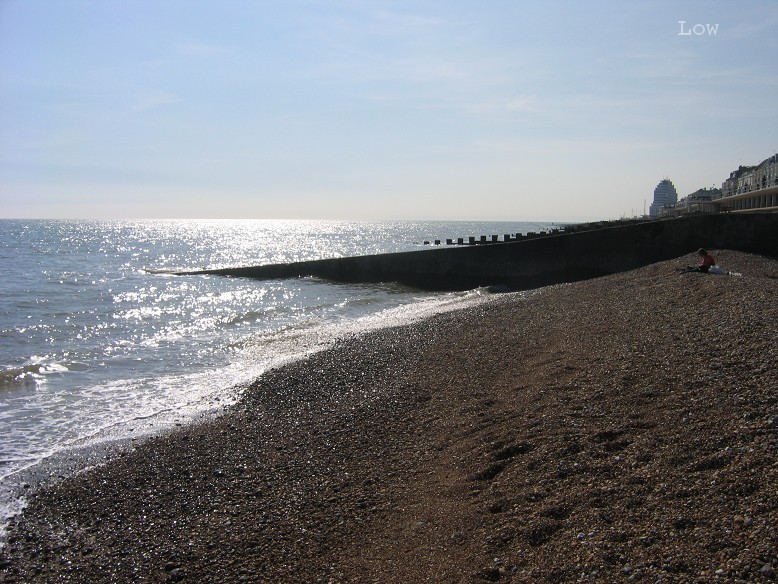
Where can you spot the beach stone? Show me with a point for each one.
(341, 460)
(489, 574)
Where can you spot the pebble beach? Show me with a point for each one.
(618, 429)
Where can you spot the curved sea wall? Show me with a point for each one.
(520, 265)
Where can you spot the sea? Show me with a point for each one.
(100, 342)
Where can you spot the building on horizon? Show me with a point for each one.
(665, 195)
(747, 189)
(700, 201)
(738, 179)
(751, 187)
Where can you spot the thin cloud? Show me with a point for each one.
(761, 23)
(394, 23)
(153, 101)
(522, 104)
(194, 49)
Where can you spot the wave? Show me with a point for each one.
(31, 374)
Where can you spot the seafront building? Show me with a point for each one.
(700, 201)
(749, 188)
(665, 195)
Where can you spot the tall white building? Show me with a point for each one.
(665, 195)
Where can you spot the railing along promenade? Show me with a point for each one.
(761, 199)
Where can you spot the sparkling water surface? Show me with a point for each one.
(97, 342)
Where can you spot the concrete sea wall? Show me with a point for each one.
(553, 259)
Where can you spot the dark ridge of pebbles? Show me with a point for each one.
(619, 429)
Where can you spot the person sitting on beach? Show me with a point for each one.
(706, 262)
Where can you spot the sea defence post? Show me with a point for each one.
(552, 259)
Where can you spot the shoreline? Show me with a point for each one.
(623, 427)
(95, 448)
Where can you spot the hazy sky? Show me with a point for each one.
(451, 109)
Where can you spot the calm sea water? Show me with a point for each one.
(95, 344)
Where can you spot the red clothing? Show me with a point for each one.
(707, 261)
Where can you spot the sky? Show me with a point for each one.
(344, 109)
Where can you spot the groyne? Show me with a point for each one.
(578, 253)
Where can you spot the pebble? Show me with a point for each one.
(611, 365)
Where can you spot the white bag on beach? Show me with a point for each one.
(717, 270)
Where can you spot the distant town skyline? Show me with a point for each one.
(536, 110)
